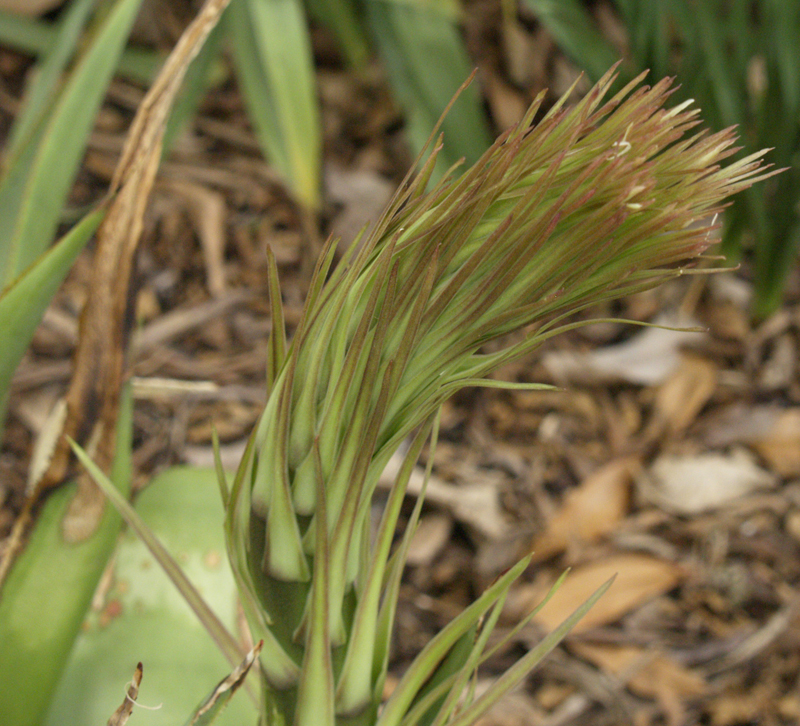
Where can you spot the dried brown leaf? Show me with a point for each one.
(208, 213)
(639, 578)
(780, 445)
(648, 358)
(682, 396)
(93, 395)
(121, 715)
(649, 673)
(697, 483)
(591, 510)
(29, 7)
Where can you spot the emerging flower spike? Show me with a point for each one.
(593, 202)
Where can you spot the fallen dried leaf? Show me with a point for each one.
(648, 673)
(698, 483)
(430, 538)
(476, 505)
(639, 578)
(780, 445)
(29, 7)
(589, 511)
(208, 213)
(682, 396)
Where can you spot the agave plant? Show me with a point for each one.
(593, 202)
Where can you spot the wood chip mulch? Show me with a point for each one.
(669, 459)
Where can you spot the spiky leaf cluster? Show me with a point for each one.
(592, 202)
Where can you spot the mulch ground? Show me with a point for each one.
(670, 459)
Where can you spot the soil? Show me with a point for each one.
(670, 459)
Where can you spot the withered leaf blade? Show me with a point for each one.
(219, 697)
(93, 395)
(121, 715)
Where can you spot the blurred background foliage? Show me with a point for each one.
(736, 58)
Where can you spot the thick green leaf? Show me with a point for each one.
(272, 50)
(35, 189)
(47, 595)
(144, 618)
(23, 304)
(413, 39)
(166, 561)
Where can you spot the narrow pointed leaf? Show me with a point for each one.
(514, 675)
(31, 206)
(412, 38)
(23, 304)
(272, 50)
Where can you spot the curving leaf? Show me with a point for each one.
(272, 50)
(413, 39)
(144, 618)
(35, 188)
(23, 304)
(47, 594)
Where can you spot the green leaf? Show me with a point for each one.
(344, 19)
(48, 593)
(23, 304)
(37, 37)
(225, 641)
(35, 188)
(413, 38)
(42, 92)
(514, 675)
(272, 50)
(145, 619)
(572, 28)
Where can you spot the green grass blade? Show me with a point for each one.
(48, 592)
(344, 20)
(413, 38)
(726, 88)
(34, 213)
(35, 37)
(432, 655)
(273, 57)
(42, 91)
(573, 29)
(23, 304)
(514, 675)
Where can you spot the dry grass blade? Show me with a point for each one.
(122, 714)
(219, 697)
(100, 354)
(93, 395)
